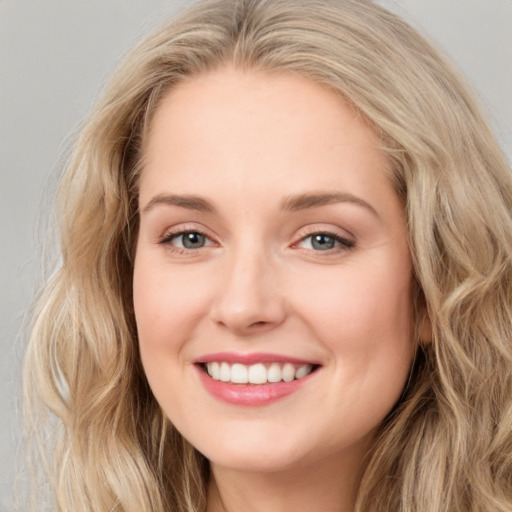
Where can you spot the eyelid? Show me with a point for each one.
(345, 243)
(182, 229)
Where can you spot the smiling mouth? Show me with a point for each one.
(259, 373)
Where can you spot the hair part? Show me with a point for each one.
(446, 446)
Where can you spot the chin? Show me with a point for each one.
(255, 461)
(263, 452)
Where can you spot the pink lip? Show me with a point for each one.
(260, 357)
(250, 394)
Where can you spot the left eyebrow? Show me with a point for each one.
(315, 200)
(189, 202)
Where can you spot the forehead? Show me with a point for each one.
(257, 130)
(232, 95)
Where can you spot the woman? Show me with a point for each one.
(285, 278)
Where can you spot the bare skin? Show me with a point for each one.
(270, 231)
(330, 485)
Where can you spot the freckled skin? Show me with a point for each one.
(244, 142)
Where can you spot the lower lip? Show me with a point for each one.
(250, 394)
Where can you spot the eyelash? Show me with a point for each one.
(344, 244)
(169, 237)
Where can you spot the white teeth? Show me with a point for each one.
(288, 372)
(239, 374)
(274, 373)
(214, 370)
(303, 371)
(225, 372)
(259, 373)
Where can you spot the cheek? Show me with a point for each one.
(169, 309)
(167, 303)
(156, 307)
(364, 318)
(161, 327)
(357, 300)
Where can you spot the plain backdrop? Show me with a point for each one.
(54, 56)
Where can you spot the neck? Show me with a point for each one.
(327, 487)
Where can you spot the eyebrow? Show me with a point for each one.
(184, 201)
(290, 204)
(315, 200)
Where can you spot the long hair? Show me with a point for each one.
(447, 446)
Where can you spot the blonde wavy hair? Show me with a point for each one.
(447, 445)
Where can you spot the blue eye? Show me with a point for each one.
(187, 240)
(325, 242)
(192, 240)
(322, 242)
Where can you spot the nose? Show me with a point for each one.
(249, 298)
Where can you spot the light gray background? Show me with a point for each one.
(54, 55)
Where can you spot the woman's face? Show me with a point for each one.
(272, 247)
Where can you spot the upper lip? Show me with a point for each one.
(252, 358)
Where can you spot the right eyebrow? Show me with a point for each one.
(183, 201)
(315, 200)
